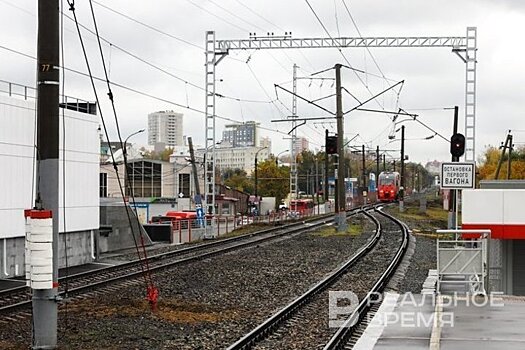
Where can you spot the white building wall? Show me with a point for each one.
(237, 157)
(17, 138)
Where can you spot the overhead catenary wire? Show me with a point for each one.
(159, 98)
(340, 51)
(72, 8)
(218, 17)
(148, 26)
(148, 95)
(162, 70)
(152, 291)
(361, 36)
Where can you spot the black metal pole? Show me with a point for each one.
(384, 162)
(325, 192)
(341, 202)
(452, 197)
(402, 190)
(44, 301)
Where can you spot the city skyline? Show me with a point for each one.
(172, 71)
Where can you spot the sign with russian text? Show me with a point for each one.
(456, 176)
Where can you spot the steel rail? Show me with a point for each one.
(343, 334)
(268, 326)
(287, 230)
(4, 293)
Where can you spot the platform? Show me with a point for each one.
(407, 322)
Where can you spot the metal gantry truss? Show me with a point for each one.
(293, 156)
(464, 46)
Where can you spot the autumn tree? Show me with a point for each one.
(488, 164)
(238, 179)
(273, 180)
(164, 155)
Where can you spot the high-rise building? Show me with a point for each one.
(236, 157)
(266, 142)
(165, 127)
(242, 135)
(301, 144)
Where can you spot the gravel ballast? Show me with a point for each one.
(203, 305)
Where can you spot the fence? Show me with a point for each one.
(189, 230)
(462, 264)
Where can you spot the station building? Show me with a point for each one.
(78, 189)
(498, 205)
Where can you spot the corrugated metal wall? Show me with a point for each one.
(17, 120)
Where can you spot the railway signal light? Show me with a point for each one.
(331, 145)
(457, 145)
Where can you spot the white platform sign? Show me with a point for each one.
(457, 175)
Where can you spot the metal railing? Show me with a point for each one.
(462, 262)
(30, 93)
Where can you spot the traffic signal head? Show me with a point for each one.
(331, 145)
(457, 145)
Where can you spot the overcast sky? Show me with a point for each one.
(434, 77)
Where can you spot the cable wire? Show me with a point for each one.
(145, 94)
(64, 101)
(72, 8)
(148, 26)
(361, 36)
(162, 70)
(152, 291)
(341, 52)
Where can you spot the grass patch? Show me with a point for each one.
(413, 213)
(354, 229)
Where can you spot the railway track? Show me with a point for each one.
(303, 323)
(19, 299)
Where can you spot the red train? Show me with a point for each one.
(302, 206)
(388, 184)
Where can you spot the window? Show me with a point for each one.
(145, 178)
(184, 184)
(103, 185)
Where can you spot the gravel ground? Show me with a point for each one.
(309, 328)
(204, 305)
(424, 258)
(209, 304)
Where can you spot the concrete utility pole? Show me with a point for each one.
(508, 144)
(326, 158)
(363, 166)
(341, 203)
(402, 190)
(377, 161)
(45, 300)
(509, 169)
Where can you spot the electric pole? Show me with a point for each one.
(198, 198)
(402, 190)
(508, 144)
(325, 190)
(452, 194)
(510, 158)
(377, 161)
(45, 301)
(384, 162)
(341, 203)
(363, 173)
